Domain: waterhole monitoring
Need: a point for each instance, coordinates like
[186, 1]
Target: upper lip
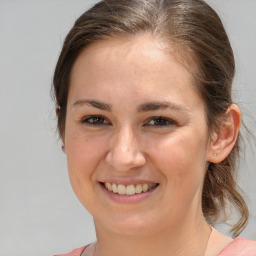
[127, 181]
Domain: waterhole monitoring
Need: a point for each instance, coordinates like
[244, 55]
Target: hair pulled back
[198, 37]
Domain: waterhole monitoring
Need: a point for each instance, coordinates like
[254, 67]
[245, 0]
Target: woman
[151, 134]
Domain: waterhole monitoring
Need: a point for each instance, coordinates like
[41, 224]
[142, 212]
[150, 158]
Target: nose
[124, 153]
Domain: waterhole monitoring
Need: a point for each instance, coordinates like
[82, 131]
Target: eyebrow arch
[160, 105]
[149, 106]
[93, 103]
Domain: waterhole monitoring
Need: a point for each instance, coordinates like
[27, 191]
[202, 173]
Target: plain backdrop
[39, 214]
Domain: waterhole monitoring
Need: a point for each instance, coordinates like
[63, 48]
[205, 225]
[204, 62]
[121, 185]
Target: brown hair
[198, 35]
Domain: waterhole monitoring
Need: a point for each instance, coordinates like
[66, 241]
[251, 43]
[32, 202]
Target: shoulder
[240, 247]
[75, 252]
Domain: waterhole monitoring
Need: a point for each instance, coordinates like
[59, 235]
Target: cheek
[84, 154]
[181, 160]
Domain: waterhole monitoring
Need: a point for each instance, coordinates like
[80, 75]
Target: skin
[123, 75]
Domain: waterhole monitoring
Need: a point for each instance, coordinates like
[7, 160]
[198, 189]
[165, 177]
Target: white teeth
[114, 188]
[130, 189]
[138, 189]
[121, 189]
[145, 187]
[108, 186]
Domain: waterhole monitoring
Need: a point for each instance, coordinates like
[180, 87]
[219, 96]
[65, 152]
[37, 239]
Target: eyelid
[85, 120]
[169, 121]
[166, 122]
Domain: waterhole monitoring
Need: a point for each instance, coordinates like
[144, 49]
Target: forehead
[142, 62]
[132, 50]
[125, 48]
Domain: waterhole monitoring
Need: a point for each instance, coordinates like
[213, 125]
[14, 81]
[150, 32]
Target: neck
[190, 238]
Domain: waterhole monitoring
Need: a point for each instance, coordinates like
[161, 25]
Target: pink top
[76, 252]
[239, 247]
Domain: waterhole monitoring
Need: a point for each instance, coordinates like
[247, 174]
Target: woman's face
[134, 118]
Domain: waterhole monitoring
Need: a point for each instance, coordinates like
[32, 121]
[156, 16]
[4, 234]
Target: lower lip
[132, 199]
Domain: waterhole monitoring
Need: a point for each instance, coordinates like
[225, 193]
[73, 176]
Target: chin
[134, 226]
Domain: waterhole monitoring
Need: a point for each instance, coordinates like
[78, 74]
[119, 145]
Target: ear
[63, 148]
[57, 110]
[223, 141]
[62, 137]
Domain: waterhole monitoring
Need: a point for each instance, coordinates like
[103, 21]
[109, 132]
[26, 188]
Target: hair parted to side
[195, 32]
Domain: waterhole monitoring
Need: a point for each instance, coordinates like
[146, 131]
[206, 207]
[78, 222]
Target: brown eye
[95, 120]
[160, 122]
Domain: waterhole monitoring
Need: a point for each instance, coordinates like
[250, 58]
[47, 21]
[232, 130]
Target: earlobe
[57, 111]
[223, 141]
[63, 148]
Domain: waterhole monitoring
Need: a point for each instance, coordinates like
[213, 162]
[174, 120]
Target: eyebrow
[145, 107]
[150, 106]
[93, 103]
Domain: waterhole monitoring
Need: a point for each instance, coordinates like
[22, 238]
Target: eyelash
[95, 120]
[160, 120]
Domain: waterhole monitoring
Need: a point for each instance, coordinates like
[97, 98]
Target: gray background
[39, 215]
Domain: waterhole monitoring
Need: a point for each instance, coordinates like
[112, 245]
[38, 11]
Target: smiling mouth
[129, 189]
